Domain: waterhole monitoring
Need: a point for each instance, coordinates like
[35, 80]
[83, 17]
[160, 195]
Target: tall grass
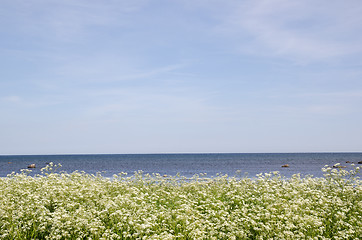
[81, 206]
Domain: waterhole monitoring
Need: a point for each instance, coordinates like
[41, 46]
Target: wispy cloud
[339, 94]
[11, 99]
[111, 68]
[33, 101]
[302, 31]
[313, 110]
[153, 103]
[66, 20]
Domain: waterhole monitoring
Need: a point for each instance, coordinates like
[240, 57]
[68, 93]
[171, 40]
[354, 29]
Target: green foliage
[81, 206]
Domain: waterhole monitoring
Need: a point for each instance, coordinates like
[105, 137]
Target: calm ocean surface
[185, 164]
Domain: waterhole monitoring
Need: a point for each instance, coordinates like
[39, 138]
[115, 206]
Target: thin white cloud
[339, 94]
[303, 31]
[153, 72]
[33, 101]
[107, 68]
[327, 109]
[12, 99]
[313, 110]
[68, 20]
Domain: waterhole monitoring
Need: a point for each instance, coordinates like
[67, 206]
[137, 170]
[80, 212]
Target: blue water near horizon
[185, 164]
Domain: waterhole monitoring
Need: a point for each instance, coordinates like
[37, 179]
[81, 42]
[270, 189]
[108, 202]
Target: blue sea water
[185, 164]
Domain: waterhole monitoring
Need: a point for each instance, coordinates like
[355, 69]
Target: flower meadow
[142, 206]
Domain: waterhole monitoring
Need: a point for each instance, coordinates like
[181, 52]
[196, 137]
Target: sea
[209, 164]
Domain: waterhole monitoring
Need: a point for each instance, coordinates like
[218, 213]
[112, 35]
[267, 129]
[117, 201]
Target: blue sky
[142, 76]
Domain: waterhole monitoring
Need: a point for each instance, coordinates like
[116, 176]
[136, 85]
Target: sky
[177, 76]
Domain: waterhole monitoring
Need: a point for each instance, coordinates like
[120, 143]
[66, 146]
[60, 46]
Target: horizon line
[160, 153]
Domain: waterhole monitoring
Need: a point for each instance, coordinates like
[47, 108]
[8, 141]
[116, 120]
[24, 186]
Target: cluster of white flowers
[82, 206]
